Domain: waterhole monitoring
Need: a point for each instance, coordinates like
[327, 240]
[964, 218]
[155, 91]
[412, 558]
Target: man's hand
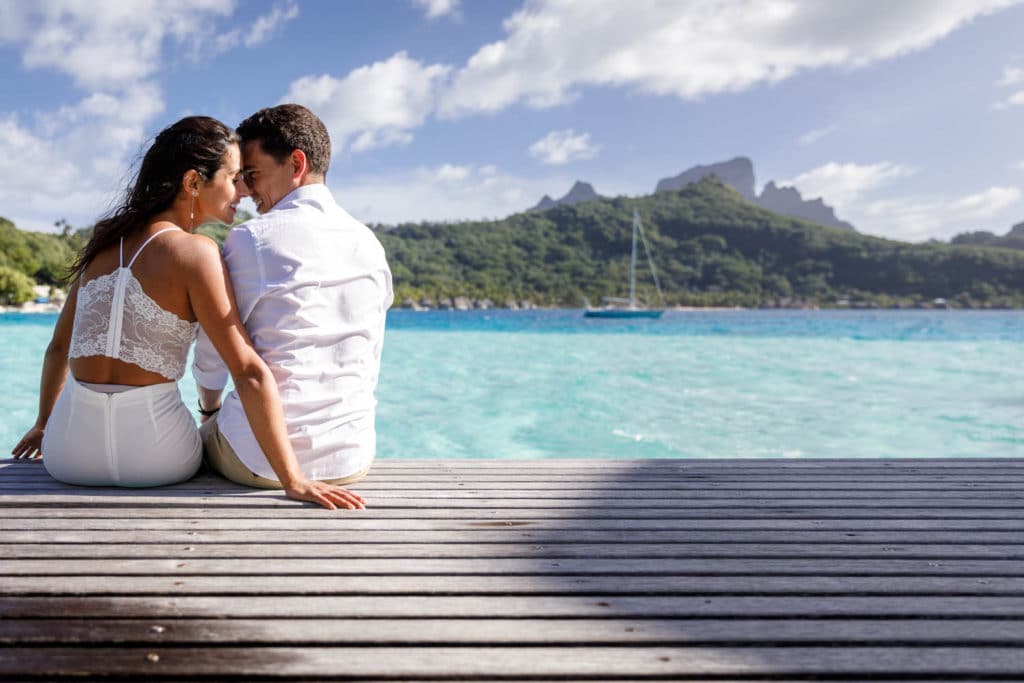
[31, 445]
[327, 495]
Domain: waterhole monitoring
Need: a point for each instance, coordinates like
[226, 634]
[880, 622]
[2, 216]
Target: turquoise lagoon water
[552, 384]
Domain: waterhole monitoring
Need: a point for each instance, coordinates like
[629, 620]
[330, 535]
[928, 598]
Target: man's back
[313, 288]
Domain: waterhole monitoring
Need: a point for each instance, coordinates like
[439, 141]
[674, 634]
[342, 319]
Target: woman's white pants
[141, 437]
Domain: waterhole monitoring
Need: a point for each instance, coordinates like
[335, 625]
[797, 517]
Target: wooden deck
[731, 570]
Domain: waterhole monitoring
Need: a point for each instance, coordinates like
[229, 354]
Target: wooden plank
[581, 492]
[965, 495]
[667, 482]
[519, 606]
[170, 498]
[880, 515]
[537, 550]
[604, 483]
[184, 562]
[503, 584]
[384, 529]
[668, 465]
[378, 631]
[118, 531]
[517, 661]
[498, 488]
[378, 477]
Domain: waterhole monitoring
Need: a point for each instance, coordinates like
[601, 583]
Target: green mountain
[28, 258]
[710, 247]
[1014, 239]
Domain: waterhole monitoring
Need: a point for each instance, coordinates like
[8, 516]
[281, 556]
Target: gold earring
[192, 211]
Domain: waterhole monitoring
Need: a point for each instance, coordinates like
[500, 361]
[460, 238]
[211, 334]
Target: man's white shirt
[313, 288]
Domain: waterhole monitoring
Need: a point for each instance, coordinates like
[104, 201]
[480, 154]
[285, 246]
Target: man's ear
[300, 165]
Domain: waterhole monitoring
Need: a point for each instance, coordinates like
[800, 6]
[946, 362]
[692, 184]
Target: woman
[141, 287]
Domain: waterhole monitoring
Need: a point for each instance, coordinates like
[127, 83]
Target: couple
[294, 312]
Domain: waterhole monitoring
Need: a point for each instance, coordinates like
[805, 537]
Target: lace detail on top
[115, 317]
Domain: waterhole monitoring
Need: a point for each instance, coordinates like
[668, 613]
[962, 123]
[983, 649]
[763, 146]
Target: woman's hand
[31, 445]
[327, 495]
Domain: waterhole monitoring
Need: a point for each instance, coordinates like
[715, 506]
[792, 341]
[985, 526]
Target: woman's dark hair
[195, 142]
[285, 128]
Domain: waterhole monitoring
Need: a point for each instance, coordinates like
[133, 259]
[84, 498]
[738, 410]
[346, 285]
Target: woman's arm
[213, 302]
[55, 372]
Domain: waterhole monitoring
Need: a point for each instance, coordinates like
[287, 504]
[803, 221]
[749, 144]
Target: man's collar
[317, 191]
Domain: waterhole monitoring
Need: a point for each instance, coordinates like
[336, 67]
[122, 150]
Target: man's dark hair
[285, 128]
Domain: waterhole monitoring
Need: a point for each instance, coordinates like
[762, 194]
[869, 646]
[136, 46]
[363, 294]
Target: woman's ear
[191, 181]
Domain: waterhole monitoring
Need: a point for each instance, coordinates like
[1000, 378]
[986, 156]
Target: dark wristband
[207, 413]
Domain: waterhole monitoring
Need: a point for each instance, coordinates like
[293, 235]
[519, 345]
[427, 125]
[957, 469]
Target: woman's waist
[121, 393]
[102, 369]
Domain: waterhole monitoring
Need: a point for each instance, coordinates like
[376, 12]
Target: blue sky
[906, 116]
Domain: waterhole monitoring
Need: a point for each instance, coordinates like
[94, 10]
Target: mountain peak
[580, 192]
[788, 201]
[544, 204]
[737, 172]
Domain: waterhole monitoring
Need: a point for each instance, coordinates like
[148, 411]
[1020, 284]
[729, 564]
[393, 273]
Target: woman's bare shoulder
[190, 249]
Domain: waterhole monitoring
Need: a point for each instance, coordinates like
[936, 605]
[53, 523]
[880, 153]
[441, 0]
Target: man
[313, 287]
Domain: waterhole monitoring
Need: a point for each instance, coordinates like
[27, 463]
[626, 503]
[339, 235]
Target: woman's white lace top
[114, 317]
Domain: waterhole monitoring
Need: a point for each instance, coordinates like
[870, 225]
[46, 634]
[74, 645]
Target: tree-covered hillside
[709, 245]
[27, 258]
[1014, 239]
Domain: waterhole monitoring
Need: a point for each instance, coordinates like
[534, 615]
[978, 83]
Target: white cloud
[41, 181]
[437, 8]
[71, 161]
[563, 146]
[265, 26]
[445, 193]
[853, 189]
[812, 136]
[1011, 76]
[260, 31]
[1014, 100]
[452, 172]
[1019, 166]
[841, 185]
[105, 44]
[373, 106]
[19, 145]
[918, 219]
[690, 48]
[102, 130]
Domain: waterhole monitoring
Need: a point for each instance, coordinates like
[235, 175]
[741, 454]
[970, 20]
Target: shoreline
[40, 309]
[32, 308]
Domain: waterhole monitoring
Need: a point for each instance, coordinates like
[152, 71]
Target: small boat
[627, 308]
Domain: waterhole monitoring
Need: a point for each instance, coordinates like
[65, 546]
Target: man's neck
[313, 180]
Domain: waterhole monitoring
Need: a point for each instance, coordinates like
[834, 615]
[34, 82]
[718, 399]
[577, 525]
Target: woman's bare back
[162, 270]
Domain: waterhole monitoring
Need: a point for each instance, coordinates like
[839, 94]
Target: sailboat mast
[632, 267]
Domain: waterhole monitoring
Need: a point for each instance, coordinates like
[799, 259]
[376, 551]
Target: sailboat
[616, 307]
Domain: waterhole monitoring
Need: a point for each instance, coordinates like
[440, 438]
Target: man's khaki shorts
[219, 454]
